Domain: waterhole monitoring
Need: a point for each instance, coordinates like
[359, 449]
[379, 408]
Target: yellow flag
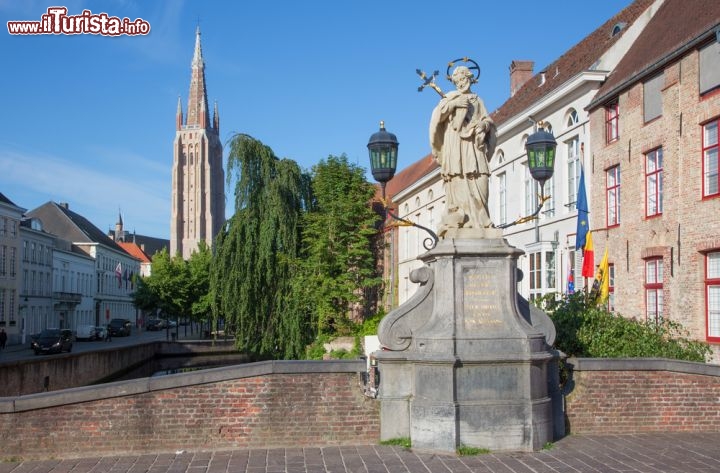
[601, 285]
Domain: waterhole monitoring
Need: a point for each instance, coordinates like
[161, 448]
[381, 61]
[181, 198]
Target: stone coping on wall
[643, 364]
[143, 385]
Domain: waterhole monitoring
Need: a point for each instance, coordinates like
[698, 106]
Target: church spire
[216, 118]
[179, 116]
[197, 98]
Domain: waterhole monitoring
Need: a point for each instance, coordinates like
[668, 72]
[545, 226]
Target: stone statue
[463, 138]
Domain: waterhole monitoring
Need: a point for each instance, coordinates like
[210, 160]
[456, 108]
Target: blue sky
[90, 119]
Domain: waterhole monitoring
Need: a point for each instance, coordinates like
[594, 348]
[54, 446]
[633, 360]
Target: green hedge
[589, 331]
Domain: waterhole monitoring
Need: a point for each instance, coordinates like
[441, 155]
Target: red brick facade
[642, 397]
[689, 224]
[283, 410]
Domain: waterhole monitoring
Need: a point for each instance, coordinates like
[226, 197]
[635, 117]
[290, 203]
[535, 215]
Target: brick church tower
[198, 179]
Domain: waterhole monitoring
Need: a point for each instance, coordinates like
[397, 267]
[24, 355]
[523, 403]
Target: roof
[147, 244]
[134, 250]
[677, 25]
[409, 176]
[6, 201]
[63, 222]
[577, 59]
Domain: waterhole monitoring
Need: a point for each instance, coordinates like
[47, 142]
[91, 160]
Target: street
[23, 352]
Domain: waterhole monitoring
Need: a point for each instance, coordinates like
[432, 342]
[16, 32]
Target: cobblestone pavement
[650, 453]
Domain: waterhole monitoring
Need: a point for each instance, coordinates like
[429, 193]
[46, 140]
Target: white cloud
[143, 195]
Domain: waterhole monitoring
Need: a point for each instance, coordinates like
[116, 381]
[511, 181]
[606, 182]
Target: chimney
[520, 72]
[64, 205]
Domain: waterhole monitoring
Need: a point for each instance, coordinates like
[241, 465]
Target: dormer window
[617, 29]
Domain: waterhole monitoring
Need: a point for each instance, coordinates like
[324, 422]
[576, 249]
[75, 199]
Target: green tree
[338, 266]
[169, 281]
[199, 295]
[251, 275]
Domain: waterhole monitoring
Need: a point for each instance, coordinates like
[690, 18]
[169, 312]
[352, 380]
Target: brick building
[655, 199]
[198, 179]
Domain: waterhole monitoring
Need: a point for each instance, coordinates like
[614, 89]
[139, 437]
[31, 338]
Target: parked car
[120, 327]
[155, 324]
[86, 332]
[101, 333]
[53, 340]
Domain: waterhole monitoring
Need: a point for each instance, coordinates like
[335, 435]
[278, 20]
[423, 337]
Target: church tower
[198, 179]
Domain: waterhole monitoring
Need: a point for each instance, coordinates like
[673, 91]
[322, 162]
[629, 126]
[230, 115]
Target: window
[712, 295]
[502, 198]
[612, 114]
[542, 268]
[530, 185]
[612, 192]
[573, 118]
[13, 257]
[652, 97]
[710, 67]
[3, 260]
[550, 270]
[711, 183]
[573, 163]
[654, 183]
[535, 275]
[653, 289]
[549, 192]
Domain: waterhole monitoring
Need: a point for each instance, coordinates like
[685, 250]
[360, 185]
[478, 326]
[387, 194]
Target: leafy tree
[586, 330]
[251, 274]
[199, 295]
[338, 265]
[168, 286]
[144, 297]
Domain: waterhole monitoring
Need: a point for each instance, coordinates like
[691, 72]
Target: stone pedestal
[469, 361]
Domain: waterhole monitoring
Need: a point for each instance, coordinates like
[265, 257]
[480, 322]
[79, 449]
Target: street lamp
[383, 149]
[540, 148]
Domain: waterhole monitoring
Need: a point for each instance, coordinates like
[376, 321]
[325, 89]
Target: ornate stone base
[470, 361]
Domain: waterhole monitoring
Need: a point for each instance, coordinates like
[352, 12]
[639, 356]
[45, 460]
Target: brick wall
[255, 405]
[637, 396]
[688, 224]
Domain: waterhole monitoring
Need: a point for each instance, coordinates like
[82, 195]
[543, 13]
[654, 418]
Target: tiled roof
[134, 250]
[408, 176]
[580, 57]
[677, 24]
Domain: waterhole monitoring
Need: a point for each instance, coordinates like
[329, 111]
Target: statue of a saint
[463, 138]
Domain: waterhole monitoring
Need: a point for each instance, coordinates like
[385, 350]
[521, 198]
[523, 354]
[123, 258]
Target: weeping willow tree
[252, 272]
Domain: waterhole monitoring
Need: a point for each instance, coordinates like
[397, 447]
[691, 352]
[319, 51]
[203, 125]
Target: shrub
[587, 330]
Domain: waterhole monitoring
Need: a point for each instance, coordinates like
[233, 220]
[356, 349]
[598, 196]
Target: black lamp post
[383, 149]
[540, 148]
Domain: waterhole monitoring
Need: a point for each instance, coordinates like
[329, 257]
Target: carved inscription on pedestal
[481, 306]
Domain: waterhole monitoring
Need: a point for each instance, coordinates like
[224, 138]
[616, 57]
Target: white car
[86, 332]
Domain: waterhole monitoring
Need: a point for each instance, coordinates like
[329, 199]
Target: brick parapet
[630, 396]
[268, 404]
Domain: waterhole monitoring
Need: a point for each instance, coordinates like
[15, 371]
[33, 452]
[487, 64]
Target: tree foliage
[586, 330]
[168, 286]
[252, 270]
[338, 266]
[198, 273]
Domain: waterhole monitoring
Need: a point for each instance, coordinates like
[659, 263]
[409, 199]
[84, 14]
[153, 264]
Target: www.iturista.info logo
[57, 21]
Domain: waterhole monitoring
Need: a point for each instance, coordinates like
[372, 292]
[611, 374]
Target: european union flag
[583, 220]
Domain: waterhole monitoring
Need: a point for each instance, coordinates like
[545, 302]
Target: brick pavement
[647, 453]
